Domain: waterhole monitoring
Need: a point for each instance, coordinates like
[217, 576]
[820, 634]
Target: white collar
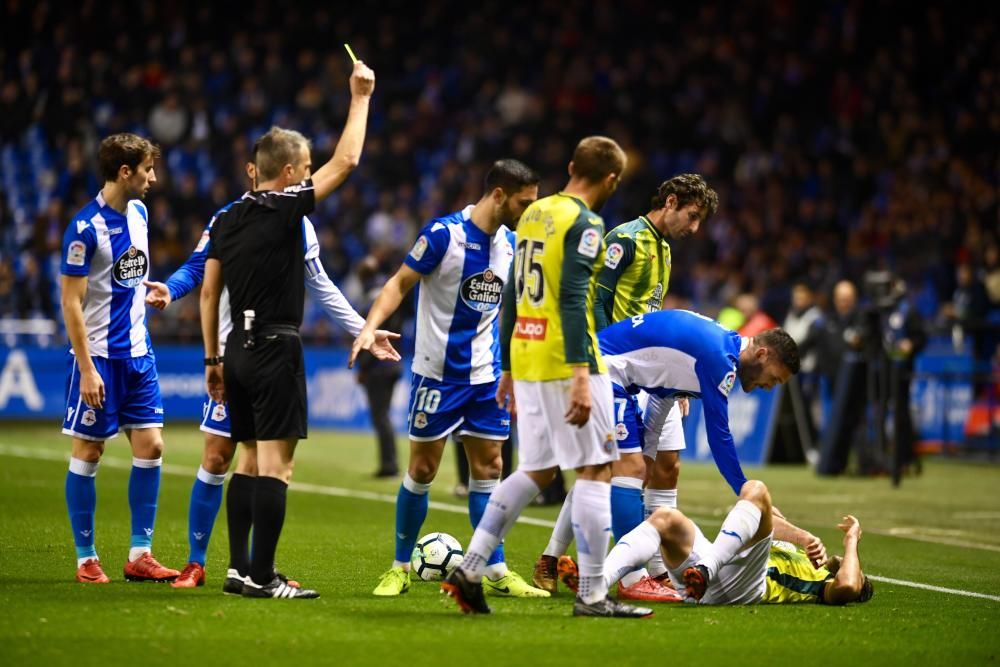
[467, 212]
[744, 343]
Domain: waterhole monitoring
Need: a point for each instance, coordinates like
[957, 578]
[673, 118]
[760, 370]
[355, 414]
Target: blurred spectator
[379, 378]
[969, 309]
[168, 121]
[801, 316]
[755, 320]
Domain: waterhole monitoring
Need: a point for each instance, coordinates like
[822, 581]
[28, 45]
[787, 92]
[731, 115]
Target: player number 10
[428, 400]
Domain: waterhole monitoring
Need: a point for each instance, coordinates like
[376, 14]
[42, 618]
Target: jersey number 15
[528, 271]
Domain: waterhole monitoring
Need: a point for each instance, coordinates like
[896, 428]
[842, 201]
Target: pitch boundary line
[339, 492]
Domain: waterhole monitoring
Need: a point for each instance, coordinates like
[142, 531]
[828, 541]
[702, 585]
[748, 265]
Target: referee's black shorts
[266, 386]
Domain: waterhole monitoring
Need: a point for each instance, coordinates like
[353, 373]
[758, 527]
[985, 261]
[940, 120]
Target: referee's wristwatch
[213, 361]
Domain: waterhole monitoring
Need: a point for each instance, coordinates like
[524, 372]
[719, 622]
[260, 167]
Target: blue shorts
[438, 408]
[131, 399]
[215, 418]
[628, 422]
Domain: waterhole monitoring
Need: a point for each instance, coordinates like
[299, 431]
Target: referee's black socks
[239, 517]
[268, 519]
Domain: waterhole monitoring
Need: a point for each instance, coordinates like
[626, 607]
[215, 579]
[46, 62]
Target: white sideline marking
[936, 589]
[174, 469]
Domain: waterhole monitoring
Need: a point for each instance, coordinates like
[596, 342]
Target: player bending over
[673, 353]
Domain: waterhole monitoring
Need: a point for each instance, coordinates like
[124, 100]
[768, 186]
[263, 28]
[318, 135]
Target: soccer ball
[435, 556]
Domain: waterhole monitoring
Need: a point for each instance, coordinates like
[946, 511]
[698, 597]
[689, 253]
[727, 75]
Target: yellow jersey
[791, 577]
[636, 272]
[560, 248]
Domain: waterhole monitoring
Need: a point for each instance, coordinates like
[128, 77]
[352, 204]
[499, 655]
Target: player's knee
[489, 467]
[756, 492]
[218, 455]
[423, 469]
[667, 470]
[665, 520]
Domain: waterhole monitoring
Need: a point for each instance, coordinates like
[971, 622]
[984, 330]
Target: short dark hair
[510, 176]
[596, 157]
[867, 590]
[689, 189]
[275, 149]
[782, 345]
[123, 149]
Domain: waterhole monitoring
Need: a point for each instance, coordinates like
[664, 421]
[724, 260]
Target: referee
[256, 251]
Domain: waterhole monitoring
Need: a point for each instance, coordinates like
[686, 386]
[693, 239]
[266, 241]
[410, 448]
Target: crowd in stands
[840, 136]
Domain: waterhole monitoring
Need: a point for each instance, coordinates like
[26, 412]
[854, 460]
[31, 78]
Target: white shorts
[545, 440]
[661, 418]
[742, 580]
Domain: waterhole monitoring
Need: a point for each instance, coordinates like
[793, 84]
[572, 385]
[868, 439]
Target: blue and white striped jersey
[190, 275]
[679, 353]
[112, 251]
[458, 299]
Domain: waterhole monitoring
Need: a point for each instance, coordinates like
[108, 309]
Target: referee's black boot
[277, 588]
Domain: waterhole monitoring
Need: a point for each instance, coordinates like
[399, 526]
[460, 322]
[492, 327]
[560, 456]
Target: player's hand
[851, 527]
[92, 388]
[505, 394]
[684, 404]
[362, 80]
[382, 348]
[214, 384]
[364, 341]
[815, 550]
[157, 294]
[579, 397]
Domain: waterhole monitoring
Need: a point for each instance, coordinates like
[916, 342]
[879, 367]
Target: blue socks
[479, 496]
[81, 501]
[206, 498]
[411, 510]
[143, 491]
[627, 510]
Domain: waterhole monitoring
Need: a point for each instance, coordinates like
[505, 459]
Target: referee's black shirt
[259, 240]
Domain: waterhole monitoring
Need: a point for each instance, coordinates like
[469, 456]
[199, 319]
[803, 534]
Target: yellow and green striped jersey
[560, 246]
[791, 577]
[636, 272]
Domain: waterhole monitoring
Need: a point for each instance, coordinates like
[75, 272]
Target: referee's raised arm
[345, 158]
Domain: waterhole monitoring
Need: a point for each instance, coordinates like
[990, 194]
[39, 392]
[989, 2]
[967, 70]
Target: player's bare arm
[74, 288]
[347, 155]
[211, 292]
[157, 294]
[388, 300]
[786, 531]
[847, 584]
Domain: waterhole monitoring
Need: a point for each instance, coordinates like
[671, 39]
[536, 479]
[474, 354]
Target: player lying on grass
[673, 353]
[757, 557]
[206, 494]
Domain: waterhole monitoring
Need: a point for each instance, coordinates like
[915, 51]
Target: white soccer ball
[435, 556]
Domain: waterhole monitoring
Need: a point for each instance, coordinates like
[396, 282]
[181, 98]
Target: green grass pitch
[941, 529]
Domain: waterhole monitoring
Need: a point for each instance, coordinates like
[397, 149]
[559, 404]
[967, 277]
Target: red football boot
[192, 576]
[91, 573]
[147, 568]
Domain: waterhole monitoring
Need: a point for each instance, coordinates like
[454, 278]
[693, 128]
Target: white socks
[210, 478]
[653, 499]
[135, 553]
[562, 533]
[739, 526]
[414, 486]
[508, 499]
[632, 550]
[591, 516]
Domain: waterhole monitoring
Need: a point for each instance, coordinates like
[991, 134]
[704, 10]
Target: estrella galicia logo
[482, 291]
[130, 267]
